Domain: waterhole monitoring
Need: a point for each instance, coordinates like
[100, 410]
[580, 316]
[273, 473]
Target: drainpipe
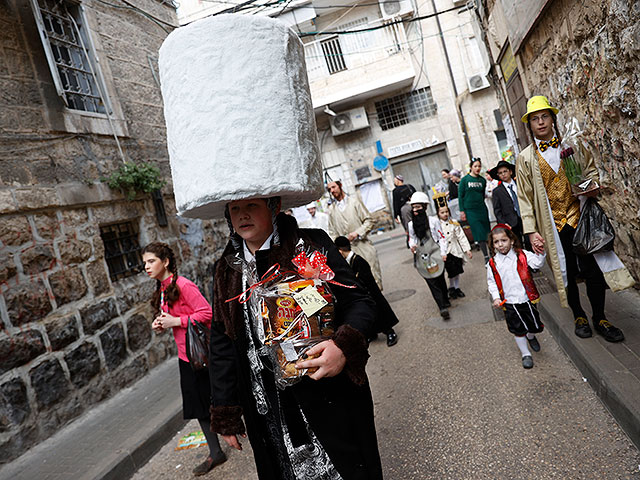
[463, 124]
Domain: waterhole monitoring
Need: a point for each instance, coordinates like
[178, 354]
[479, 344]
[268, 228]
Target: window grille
[121, 250]
[68, 50]
[408, 107]
[333, 55]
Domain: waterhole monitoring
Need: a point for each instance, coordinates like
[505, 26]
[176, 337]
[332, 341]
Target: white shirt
[436, 234]
[507, 266]
[319, 220]
[349, 257]
[511, 185]
[342, 204]
[250, 257]
[551, 156]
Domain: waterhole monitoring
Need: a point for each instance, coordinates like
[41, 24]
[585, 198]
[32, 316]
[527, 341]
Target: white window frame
[81, 121]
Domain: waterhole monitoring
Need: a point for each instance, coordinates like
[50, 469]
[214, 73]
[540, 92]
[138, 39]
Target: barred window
[70, 54]
[121, 249]
[333, 55]
[405, 108]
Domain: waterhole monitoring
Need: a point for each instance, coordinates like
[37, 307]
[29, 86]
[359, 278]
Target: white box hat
[240, 121]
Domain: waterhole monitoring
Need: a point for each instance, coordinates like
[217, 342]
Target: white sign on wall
[405, 148]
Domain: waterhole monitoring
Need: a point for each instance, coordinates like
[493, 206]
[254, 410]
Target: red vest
[525, 276]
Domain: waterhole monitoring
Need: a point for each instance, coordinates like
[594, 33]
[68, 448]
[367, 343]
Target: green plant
[133, 178]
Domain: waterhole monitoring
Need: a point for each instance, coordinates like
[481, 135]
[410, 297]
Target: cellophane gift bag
[292, 311]
[573, 168]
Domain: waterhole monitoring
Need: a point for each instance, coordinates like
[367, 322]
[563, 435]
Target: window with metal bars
[70, 54]
[333, 55]
[408, 107]
[121, 250]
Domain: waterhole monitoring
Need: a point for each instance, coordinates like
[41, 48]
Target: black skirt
[196, 392]
[522, 318]
[453, 266]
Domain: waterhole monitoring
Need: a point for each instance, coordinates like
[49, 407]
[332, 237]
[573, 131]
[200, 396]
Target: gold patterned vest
[564, 206]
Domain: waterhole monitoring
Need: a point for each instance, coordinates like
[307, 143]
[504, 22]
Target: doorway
[423, 171]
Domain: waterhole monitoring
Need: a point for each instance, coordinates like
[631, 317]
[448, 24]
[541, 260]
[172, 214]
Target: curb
[617, 391]
[130, 462]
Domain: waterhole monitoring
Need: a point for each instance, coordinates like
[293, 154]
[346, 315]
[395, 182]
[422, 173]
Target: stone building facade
[75, 330]
[585, 57]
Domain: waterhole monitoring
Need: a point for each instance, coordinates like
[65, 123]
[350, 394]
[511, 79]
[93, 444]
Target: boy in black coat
[386, 317]
[505, 199]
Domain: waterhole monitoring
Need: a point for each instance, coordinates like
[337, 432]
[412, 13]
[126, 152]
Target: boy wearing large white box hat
[242, 143]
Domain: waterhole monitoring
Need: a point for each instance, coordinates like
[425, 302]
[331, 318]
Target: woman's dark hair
[509, 233]
[172, 292]
[555, 129]
[474, 160]
[445, 170]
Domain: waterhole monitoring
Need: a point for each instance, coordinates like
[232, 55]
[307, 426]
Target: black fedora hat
[502, 163]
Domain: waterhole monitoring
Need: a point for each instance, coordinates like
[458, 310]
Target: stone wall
[71, 337]
[586, 57]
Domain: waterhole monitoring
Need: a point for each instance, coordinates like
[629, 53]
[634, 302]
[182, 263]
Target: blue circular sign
[380, 163]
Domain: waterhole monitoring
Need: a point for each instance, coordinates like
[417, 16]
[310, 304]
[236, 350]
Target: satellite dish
[391, 7]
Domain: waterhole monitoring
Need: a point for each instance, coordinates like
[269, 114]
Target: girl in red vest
[512, 287]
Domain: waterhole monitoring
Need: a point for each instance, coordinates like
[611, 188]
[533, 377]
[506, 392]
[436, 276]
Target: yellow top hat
[535, 104]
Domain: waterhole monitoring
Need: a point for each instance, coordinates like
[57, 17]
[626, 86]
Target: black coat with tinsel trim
[339, 410]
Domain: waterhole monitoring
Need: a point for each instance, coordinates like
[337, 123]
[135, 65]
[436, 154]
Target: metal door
[423, 172]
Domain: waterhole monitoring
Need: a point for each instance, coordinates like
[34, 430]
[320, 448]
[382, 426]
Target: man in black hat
[505, 199]
[401, 207]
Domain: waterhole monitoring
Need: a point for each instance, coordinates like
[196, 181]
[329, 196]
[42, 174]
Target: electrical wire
[394, 22]
[129, 6]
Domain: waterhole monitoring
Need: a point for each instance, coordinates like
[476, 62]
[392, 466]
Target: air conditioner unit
[349, 121]
[395, 8]
[477, 82]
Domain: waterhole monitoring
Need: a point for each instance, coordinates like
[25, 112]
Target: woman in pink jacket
[175, 301]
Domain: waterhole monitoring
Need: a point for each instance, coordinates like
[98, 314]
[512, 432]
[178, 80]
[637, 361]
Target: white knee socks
[522, 345]
[454, 282]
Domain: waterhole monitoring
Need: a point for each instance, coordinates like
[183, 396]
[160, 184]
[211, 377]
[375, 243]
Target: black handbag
[197, 344]
[594, 232]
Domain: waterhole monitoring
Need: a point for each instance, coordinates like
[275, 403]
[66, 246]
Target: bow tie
[553, 143]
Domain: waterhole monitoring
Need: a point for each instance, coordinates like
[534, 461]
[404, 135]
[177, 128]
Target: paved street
[453, 401]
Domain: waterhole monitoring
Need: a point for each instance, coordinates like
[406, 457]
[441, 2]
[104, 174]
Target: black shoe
[527, 361]
[460, 293]
[392, 338]
[535, 345]
[608, 331]
[452, 293]
[444, 313]
[583, 330]
[372, 338]
[209, 464]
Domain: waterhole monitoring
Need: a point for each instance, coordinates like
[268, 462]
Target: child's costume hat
[240, 121]
[537, 103]
[440, 200]
[502, 163]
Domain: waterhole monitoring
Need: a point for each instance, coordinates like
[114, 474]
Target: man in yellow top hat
[550, 214]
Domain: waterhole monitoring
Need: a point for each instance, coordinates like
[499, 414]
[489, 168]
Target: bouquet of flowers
[572, 167]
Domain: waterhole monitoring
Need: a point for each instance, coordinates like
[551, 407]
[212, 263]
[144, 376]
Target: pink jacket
[191, 304]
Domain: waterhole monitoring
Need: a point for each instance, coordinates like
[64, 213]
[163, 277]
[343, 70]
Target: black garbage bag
[197, 343]
[594, 232]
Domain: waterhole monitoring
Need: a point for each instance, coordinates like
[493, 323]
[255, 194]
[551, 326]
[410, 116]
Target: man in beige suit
[349, 217]
[550, 214]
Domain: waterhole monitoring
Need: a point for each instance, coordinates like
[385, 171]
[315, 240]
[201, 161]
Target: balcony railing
[329, 56]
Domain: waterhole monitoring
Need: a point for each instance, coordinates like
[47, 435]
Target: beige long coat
[356, 218]
[534, 209]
